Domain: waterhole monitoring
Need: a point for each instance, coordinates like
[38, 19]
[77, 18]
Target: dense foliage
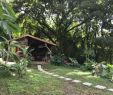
[82, 30]
[8, 27]
[75, 25]
[104, 70]
[63, 60]
[7, 21]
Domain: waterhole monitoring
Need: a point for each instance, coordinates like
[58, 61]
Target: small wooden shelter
[39, 49]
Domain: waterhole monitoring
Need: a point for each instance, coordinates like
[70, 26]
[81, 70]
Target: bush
[19, 68]
[57, 59]
[72, 62]
[89, 64]
[62, 60]
[99, 69]
[103, 70]
[110, 71]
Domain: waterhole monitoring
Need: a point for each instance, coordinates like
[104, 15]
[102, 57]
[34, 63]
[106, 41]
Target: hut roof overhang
[35, 39]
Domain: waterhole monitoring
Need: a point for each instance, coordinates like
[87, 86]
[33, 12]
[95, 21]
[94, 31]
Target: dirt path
[69, 89]
[72, 89]
[4, 90]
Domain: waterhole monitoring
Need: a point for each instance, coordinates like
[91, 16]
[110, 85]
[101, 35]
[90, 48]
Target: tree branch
[46, 34]
[79, 24]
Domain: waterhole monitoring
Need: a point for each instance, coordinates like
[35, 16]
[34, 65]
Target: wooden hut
[39, 49]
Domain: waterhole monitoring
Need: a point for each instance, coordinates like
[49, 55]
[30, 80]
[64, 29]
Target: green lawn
[37, 83]
[76, 73]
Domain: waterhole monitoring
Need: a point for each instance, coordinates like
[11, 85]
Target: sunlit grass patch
[38, 83]
[79, 74]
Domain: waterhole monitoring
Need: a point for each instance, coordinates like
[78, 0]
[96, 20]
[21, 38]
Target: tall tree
[71, 23]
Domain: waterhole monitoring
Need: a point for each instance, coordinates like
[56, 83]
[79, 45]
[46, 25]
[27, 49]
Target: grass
[77, 73]
[37, 83]
[34, 83]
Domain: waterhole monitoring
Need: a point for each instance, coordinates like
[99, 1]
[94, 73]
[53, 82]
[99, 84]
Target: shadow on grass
[4, 73]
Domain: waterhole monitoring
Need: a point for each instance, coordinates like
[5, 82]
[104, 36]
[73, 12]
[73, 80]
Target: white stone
[61, 77]
[87, 83]
[47, 73]
[40, 68]
[76, 81]
[110, 90]
[67, 78]
[55, 75]
[50, 73]
[100, 87]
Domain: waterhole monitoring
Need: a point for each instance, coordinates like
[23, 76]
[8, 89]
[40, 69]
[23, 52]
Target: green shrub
[19, 68]
[57, 59]
[100, 70]
[110, 71]
[103, 70]
[89, 64]
[63, 60]
[73, 62]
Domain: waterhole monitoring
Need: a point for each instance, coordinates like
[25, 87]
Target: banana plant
[7, 27]
[6, 51]
[20, 66]
[7, 20]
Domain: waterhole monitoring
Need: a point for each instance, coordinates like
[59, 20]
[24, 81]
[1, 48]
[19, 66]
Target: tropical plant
[7, 27]
[73, 62]
[103, 69]
[7, 20]
[7, 44]
[19, 65]
[89, 64]
[19, 68]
